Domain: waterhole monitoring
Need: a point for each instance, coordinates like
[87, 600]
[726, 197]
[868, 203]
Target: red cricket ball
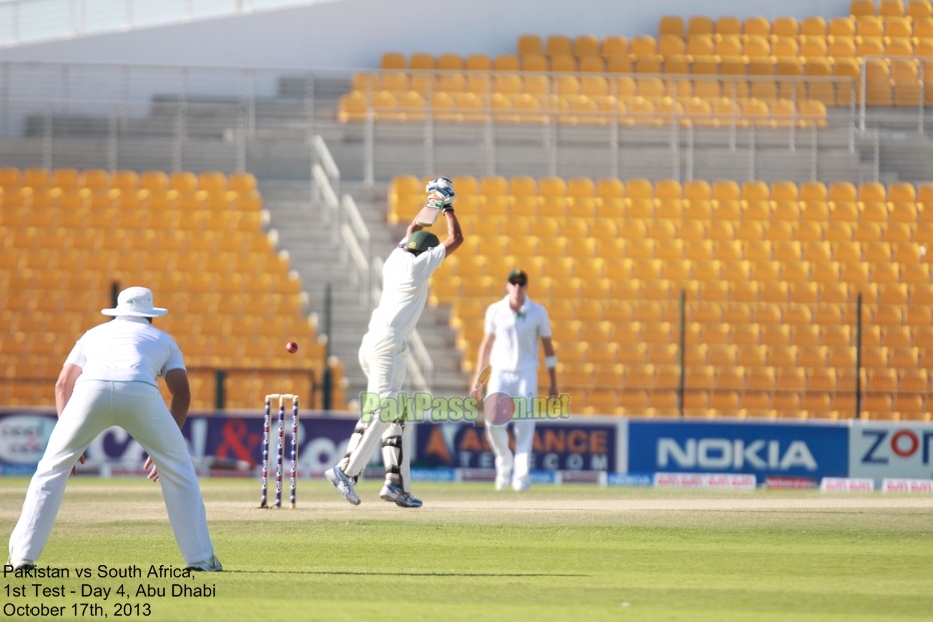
[291, 346]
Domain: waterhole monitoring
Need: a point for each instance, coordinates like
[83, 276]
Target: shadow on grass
[402, 574]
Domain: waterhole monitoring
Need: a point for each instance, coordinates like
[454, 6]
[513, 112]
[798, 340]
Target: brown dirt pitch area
[91, 500]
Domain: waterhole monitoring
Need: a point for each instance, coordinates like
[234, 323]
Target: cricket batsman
[384, 351]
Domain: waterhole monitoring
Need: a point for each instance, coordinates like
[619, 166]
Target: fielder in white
[384, 353]
[510, 345]
[109, 379]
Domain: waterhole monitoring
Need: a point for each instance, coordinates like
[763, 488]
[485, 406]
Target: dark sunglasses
[519, 283]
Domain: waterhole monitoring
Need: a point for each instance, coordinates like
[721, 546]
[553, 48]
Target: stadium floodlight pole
[327, 376]
[858, 354]
[683, 341]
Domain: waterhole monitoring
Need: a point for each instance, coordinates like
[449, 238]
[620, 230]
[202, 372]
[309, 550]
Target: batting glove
[442, 188]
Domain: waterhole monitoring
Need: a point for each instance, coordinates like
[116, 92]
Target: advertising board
[574, 445]
[228, 439]
[757, 448]
[880, 449]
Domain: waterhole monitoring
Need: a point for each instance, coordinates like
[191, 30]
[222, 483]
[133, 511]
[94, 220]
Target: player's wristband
[550, 362]
[448, 208]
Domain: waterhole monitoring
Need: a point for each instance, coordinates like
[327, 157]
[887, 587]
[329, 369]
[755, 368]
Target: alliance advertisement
[590, 444]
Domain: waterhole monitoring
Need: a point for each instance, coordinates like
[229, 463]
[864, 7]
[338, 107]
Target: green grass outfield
[569, 553]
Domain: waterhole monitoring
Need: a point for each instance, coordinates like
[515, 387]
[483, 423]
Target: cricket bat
[477, 392]
[482, 379]
[431, 210]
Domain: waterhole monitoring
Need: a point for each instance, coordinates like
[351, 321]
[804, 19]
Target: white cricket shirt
[516, 344]
[405, 289]
[126, 349]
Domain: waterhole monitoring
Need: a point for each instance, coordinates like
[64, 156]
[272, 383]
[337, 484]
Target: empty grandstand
[744, 164]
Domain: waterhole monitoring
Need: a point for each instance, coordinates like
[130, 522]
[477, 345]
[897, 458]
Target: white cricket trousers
[515, 384]
[138, 408]
[383, 357]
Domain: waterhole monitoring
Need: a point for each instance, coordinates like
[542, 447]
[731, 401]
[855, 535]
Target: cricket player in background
[510, 345]
[384, 351]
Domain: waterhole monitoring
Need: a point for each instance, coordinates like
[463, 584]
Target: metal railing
[356, 253]
[552, 125]
[181, 112]
[355, 236]
[688, 362]
[31, 21]
[344, 219]
[213, 382]
[903, 93]
[230, 119]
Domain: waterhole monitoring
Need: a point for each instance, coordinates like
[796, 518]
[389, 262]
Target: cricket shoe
[20, 563]
[502, 484]
[343, 485]
[394, 493]
[208, 565]
[520, 485]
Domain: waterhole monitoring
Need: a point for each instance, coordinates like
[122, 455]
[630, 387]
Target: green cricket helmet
[421, 241]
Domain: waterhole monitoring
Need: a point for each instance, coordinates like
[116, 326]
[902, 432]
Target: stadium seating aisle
[196, 240]
[771, 275]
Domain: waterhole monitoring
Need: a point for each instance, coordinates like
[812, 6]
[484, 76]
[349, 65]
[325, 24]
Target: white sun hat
[137, 302]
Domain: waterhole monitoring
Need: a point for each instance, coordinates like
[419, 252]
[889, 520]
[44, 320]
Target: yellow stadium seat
[758, 47]
[869, 27]
[698, 209]
[918, 9]
[477, 63]
[728, 26]
[534, 62]
[700, 25]
[671, 25]
[530, 44]
[841, 27]
[669, 209]
[392, 60]
[36, 178]
[66, 178]
[184, 182]
[815, 47]
[914, 381]
[643, 45]
[785, 27]
[891, 8]
[859, 8]
[450, 62]
[11, 178]
[749, 230]
[671, 45]
[365, 83]
[757, 25]
[556, 45]
[506, 62]
[706, 271]
[586, 45]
